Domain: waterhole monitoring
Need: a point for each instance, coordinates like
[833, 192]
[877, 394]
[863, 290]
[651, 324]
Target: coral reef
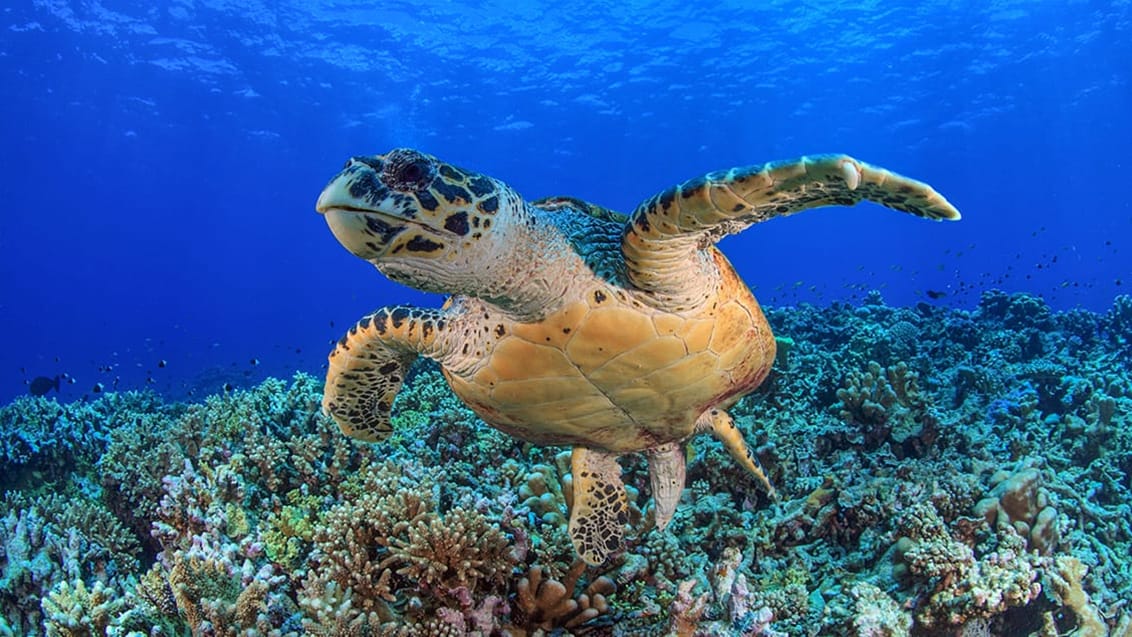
[938, 472]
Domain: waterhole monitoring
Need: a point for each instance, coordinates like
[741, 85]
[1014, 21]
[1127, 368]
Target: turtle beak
[360, 233]
[337, 195]
[365, 232]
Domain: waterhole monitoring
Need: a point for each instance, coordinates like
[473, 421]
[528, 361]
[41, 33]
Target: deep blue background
[159, 164]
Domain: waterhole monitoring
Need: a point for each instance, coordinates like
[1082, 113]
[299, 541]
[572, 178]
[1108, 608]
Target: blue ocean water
[161, 161]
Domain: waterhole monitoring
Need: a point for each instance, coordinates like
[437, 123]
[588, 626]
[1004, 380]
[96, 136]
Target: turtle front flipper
[369, 364]
[600, 510]
[665, 235]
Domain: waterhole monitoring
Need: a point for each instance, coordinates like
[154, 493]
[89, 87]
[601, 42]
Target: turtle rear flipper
[666, 234]
[667, 471]
[368, 366]
[600, 510]
[722, 426]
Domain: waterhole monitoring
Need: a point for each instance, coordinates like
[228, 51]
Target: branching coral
[458, 549]
[218, 597]
[278, 524]
[76, 611]
[50, 540]
[544, 604]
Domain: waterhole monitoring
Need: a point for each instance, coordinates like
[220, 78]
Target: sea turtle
[570, 324]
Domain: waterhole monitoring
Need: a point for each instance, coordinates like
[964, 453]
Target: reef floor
[938, 472]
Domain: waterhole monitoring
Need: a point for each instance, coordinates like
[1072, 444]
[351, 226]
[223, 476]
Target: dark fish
[255, 361]
[935, 294]
[97, 388]
[162, 363]
[40, 385]
[228, 387]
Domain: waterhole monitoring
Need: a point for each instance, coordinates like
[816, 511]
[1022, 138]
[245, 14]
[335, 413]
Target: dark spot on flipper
[380, 320]
[399, 315]
[599, 296]
[388, 368]
[499, 331]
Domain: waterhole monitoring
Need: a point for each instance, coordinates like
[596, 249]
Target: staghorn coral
[50, 540]
[216, 596]
[75, 611]
[46, 443]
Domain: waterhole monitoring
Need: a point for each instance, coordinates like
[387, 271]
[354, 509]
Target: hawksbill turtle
[570, 324]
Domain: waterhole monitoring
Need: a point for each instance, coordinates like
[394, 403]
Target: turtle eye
[407, 170]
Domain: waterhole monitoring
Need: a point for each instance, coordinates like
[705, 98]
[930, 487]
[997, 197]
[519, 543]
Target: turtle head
[421, 221]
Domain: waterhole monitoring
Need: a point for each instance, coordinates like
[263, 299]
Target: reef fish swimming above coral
[570, 324]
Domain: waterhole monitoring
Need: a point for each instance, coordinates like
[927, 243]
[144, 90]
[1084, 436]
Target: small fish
[162, 363]
[254, 362]
[935, 294]
[228, 387]
[40, 385]
[97, 388]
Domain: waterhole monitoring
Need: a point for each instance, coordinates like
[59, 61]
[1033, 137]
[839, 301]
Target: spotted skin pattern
[570, 324]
